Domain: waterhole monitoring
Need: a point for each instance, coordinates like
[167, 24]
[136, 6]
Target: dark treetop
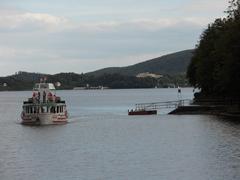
[215, 66]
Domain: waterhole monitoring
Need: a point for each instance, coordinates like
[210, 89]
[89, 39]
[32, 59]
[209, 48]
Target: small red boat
[142, 112]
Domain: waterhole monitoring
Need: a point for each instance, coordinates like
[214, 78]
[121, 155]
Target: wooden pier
[150, 107]
[186, 106]
[161, 105]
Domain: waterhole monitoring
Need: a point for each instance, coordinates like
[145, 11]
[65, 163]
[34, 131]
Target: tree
[215, 66]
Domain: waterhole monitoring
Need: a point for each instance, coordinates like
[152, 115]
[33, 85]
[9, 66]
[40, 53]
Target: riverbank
[209, 107]
[198, 109]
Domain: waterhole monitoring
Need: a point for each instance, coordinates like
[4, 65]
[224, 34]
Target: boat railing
[61, 103]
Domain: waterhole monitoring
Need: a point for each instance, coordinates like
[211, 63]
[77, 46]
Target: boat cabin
[40, 109]
[44, 92]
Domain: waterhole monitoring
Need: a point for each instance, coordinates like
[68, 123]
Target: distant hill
[171, 64]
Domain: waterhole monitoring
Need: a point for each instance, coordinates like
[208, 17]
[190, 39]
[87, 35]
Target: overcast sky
[52, 36]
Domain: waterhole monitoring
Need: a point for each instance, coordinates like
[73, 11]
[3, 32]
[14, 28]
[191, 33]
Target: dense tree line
[114, 81]
[215, 66]
[25, 81]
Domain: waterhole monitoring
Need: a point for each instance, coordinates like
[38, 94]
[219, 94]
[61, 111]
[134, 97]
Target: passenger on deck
[50, 97]
[34, 97]
[44, 96]
[179, 90]
[38, 97]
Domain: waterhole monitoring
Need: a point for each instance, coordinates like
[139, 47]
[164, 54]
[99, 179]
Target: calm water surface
[101, 142]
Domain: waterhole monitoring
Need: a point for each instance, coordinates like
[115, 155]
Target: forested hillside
[173, 68]
[25, 81]
[215, 66]
[171, 64]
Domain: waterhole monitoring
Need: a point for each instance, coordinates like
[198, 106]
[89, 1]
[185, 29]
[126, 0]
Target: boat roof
[39, 86]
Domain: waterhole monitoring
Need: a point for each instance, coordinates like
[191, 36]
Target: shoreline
[232, 111]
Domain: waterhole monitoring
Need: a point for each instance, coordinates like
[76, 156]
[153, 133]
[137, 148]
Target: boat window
[36, 87]
[53, 110]
[51, 86]
[43, 86]
[31, 110]
[43, 109]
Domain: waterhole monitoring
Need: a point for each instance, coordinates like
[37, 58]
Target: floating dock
[151, 108]
[185, 107]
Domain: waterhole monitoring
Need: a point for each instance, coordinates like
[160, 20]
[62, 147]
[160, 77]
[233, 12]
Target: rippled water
[101, 142]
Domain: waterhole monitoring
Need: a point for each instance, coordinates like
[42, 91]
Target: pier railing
[167, 104]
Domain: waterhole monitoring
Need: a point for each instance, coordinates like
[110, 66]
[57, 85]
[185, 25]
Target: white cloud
[11, 53]
[12, 20]
[46, 42]
[144, 24]
[206, 6]
[162, 23]
[19, 20]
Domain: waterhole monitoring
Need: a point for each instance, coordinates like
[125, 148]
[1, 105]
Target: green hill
[171, 64]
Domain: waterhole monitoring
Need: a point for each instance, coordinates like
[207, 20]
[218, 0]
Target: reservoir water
[102, 143]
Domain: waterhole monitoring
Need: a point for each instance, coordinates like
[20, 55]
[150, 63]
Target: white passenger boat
[44, 107]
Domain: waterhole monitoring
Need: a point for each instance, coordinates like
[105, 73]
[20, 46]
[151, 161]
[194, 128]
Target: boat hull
[44, 119]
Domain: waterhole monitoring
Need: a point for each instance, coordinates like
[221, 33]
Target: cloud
[18, 20]
[144, 24]
[11, 53]
[49, 43]
[163, 23]
[206, 7]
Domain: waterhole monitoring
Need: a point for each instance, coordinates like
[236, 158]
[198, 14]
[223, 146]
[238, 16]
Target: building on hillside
[147, 74]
